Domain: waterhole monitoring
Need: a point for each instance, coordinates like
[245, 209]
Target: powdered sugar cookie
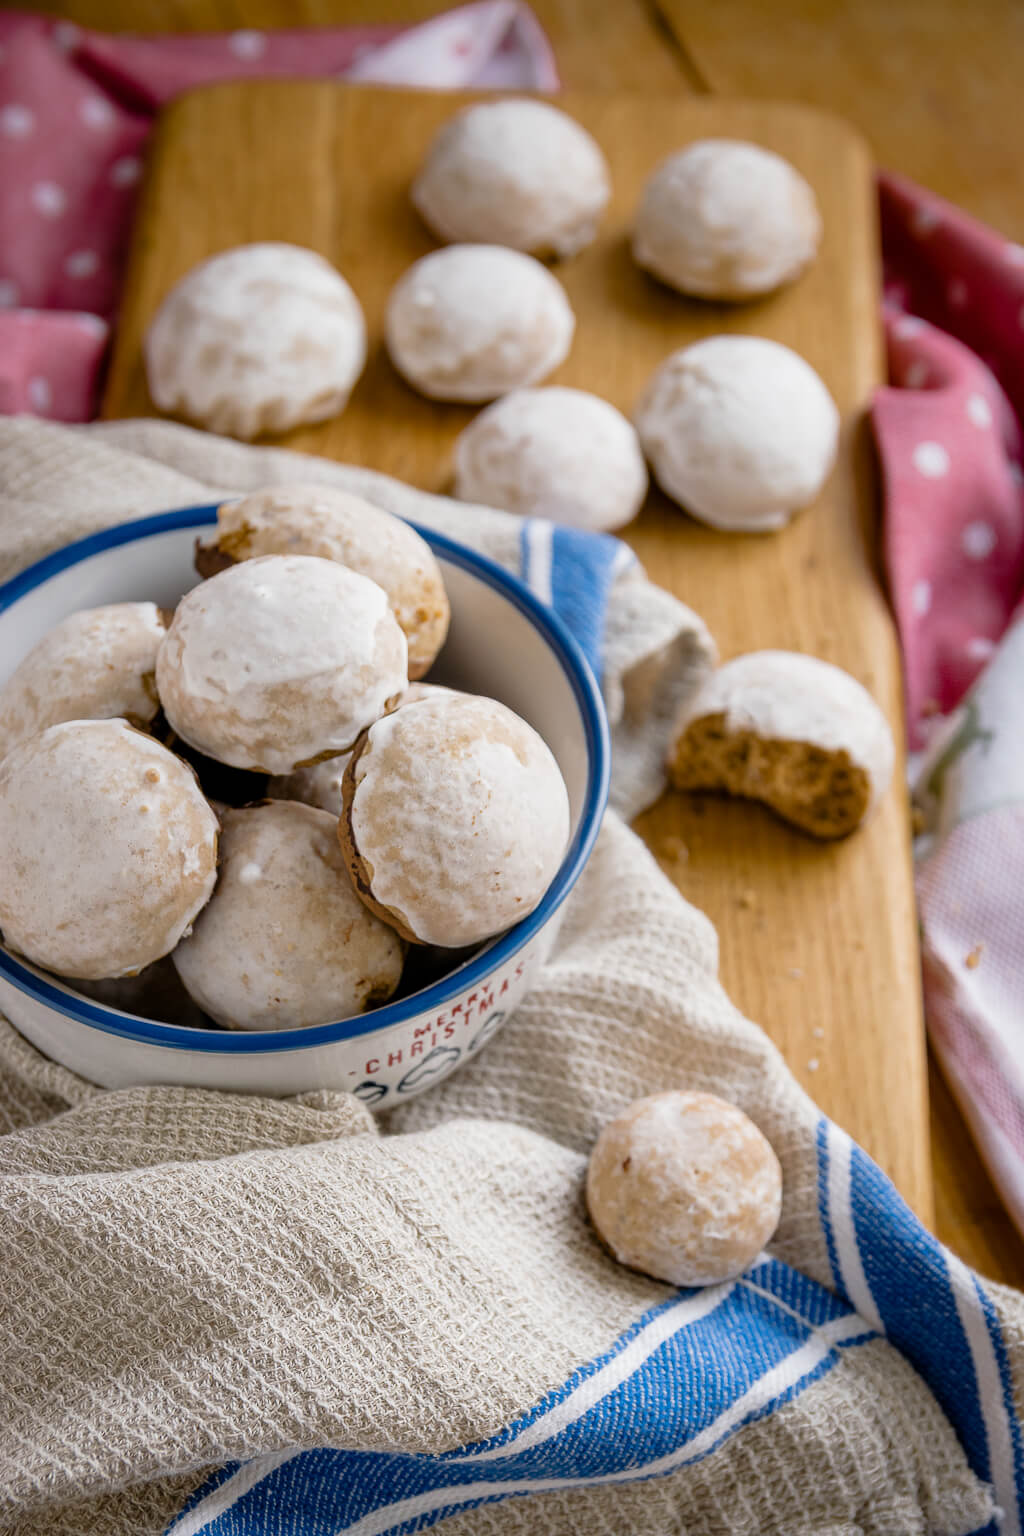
[684, 1187]
[516, 172]
[473, 321]
[108, 848]
[256, 339]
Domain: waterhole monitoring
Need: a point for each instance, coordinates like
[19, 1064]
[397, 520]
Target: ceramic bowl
[503, 643]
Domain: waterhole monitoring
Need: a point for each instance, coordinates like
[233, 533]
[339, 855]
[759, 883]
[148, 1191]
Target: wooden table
[933, 87]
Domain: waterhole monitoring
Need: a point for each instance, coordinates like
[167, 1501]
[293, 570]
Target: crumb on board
[818, 1032]
[973, 960]
[747, 899]
[674, 849]
[795, 972]
[813, 1064]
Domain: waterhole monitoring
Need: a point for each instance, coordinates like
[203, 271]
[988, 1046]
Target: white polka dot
[956, 293]
[126, 171]
[96, 112]
[9, 293]
[65, 36]
[40, 395]
[909, 325]
[1016, 473]
[931, 460]
[247, 45]
[979, 647]
[81, 264]
[1014, 254]
[92, 325]
[16, 121]
[916, 375]
[921, 597]
[49, 199]
[978, 540]
[924, 221]
[978, 410]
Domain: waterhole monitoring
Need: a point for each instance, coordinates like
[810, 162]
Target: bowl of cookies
[291, 797]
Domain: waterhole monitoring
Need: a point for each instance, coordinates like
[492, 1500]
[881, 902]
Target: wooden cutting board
[818, 943]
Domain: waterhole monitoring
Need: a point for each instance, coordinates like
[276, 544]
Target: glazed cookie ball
[726, 220]
[280, 661]
[556, 453]
[685, 1188]
[107, 847]
[95, 665]
[740, 431]
[792, 731]
[257, 339]
[335, 525]
[515, 172]
[284, 941]
[455, 819]
[474, 321]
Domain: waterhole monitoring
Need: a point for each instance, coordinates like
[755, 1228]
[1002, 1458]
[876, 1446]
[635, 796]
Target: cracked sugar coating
[684, 1187]
[108, 848]
[473, 321]
[98, 664]
[456, 819]
[723, 219]
[556, 453]
[257, 339]
[792, 731]
[740, 431]
[518, 173]
[280, 661]
[335, 525]
[284, 941]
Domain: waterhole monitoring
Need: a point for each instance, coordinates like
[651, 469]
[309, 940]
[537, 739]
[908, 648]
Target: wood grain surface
[817, 942]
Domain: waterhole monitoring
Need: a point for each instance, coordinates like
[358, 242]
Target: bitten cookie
[455, 819]
[280, 661]
[516, 172]
[335, 525]
[257, 339]
[723, 219]
[473, 321]
[284, 942]
[98, 664]
[740, 431]
[685, 1188]
[556, 453]
[108, 849]
[792, 731]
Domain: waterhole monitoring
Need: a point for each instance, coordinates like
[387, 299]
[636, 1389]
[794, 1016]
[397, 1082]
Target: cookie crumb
[813, 1064]
[674, 849]
[818, 1033]
[795, 972]
[973, 960]
[747, 899]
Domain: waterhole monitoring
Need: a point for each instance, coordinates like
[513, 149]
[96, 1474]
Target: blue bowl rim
[433, 998]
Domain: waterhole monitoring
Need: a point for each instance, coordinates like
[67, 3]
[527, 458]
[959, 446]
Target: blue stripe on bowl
[432, 999]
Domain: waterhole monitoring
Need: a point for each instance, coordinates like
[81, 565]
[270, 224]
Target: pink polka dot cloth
[76, 108]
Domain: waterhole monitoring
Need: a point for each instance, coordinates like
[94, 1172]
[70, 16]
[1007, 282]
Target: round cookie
[795, 732]
[556, 453]
[98, 664]
[723, 219]
[740, 431]
[516, 172]
[284, 942]
[473, 321]
[280, 661]
[455, 819]
[108, 849]
[256, 339]
[685, 1188]
[335, 525]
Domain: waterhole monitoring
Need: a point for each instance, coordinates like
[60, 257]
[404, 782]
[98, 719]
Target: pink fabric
[76, 108]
